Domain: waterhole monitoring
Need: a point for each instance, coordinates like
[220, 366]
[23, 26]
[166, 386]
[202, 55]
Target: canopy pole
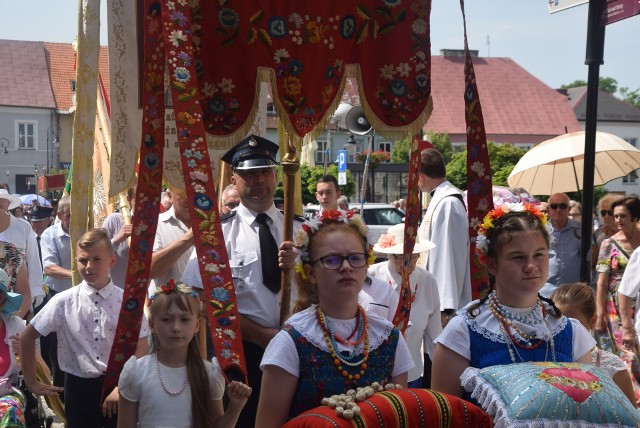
[594, 58]
[290, 166]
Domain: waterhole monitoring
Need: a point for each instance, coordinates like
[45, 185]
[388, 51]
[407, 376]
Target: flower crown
[172, 285]
[312, 225]
[482, 242]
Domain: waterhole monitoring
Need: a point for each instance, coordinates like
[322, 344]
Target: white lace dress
[139, 382]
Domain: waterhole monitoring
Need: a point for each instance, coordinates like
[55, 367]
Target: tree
[442, 142]
[631, 97]
[309, 176]
[400, 151]
[502, 157]
[607, 84]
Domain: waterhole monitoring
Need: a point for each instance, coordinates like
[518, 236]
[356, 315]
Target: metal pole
[594, 58]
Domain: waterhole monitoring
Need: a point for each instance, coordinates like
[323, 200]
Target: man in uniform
[256, 279]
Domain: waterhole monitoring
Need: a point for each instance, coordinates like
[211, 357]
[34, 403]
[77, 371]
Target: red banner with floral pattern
[479, 194]
[305, 48]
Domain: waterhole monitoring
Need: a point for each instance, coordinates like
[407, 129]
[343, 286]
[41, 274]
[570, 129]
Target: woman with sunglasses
[331, 345]
[612, 260]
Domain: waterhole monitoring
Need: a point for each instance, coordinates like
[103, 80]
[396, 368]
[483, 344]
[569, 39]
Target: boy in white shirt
[85, 319]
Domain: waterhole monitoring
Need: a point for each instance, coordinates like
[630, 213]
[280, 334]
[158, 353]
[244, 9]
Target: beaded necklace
[505, 319]
[338, 358]
[167, 390]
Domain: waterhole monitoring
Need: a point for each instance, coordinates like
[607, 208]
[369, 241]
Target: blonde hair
[93, 237]
[196, 370]
[578, 295]
[307, 291]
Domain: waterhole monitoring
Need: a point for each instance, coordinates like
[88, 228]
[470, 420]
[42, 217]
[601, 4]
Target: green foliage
[400, 150]
[503, 158]
[631, 97]
[442, 142]
[309, 177]
[607, 84]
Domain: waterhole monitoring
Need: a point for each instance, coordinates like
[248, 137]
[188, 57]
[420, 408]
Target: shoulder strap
[227, 216]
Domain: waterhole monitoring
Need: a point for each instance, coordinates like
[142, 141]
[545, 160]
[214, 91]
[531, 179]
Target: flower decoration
[386, 240]
[489, 222]
[375, 157]
[311, 226]
[171, 286]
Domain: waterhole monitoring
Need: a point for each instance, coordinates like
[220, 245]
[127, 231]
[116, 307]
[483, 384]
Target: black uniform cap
[251, 153]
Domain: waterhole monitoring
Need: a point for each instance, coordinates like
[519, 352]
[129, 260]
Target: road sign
[558, 5]
[617, 10]
[342, 178]
[342, 161]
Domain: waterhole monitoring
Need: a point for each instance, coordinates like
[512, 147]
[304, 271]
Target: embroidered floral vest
[319, 378]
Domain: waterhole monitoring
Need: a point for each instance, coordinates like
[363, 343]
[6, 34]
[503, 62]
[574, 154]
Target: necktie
[268, 255]
[39, 249]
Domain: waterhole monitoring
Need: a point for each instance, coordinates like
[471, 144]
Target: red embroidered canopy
[306, 49]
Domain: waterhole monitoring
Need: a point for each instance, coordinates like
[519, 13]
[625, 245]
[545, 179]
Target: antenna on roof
[489, 45]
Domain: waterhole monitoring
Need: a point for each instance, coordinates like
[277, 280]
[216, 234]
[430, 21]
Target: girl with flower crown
[514, 323]
[173, 386]
[331, 345]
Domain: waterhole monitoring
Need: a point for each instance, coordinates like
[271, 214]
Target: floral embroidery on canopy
[306, 49]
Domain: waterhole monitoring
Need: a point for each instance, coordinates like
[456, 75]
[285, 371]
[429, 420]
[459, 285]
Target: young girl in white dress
[513, 323]
[173, 386]
[578, 301]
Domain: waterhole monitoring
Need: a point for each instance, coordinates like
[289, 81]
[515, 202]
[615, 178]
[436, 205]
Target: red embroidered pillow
[400, 408]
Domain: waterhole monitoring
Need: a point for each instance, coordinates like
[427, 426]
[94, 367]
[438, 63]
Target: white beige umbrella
[557, 165]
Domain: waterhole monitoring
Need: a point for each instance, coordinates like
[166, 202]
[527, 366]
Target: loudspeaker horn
[357, 122]
[339, 116]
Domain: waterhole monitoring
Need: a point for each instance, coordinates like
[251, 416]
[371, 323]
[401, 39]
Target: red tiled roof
[61, 62]
[24, 77]
[517, 107]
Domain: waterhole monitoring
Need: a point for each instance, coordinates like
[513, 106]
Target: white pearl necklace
[172, 393]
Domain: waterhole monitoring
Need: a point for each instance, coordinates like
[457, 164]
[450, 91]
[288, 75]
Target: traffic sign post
[342, 160]
[342, 178]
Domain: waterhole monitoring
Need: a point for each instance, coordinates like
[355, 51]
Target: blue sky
[550, 46]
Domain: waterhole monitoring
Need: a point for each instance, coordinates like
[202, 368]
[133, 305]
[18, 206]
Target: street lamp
[4, 143]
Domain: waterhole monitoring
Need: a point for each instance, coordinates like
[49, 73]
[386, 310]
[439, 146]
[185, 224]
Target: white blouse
[139, 382]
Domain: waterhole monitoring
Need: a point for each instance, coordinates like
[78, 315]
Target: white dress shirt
[169, 230]
[425, 324]
[255, 300]
[85, 320]
[20, 234]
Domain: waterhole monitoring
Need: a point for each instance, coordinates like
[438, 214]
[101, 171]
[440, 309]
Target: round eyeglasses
[334, 261]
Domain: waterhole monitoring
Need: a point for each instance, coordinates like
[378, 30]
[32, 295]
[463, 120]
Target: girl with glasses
[330, 345]
[613, 258]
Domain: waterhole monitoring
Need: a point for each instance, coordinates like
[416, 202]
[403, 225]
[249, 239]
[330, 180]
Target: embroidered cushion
[400, 408]
[548, 394]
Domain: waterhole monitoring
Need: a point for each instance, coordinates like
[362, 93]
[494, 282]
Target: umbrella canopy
[557, 165]
[28, 200]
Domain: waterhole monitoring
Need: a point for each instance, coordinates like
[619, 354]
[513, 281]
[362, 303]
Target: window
[320, 153]
[26, 135]
[631, 178]
[385, 146]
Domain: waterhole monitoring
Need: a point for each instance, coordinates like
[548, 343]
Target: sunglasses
[562, 206]
[606, 212]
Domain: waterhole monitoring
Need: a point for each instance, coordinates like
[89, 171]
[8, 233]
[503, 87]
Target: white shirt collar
[104, 292]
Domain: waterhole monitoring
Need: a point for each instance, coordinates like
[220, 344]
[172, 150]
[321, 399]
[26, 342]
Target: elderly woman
[425, 323]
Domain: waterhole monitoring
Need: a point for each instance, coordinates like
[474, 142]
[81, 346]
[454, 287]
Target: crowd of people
[340, 334]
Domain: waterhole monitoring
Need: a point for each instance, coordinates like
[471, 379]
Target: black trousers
[252, 355]
[83, 405]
